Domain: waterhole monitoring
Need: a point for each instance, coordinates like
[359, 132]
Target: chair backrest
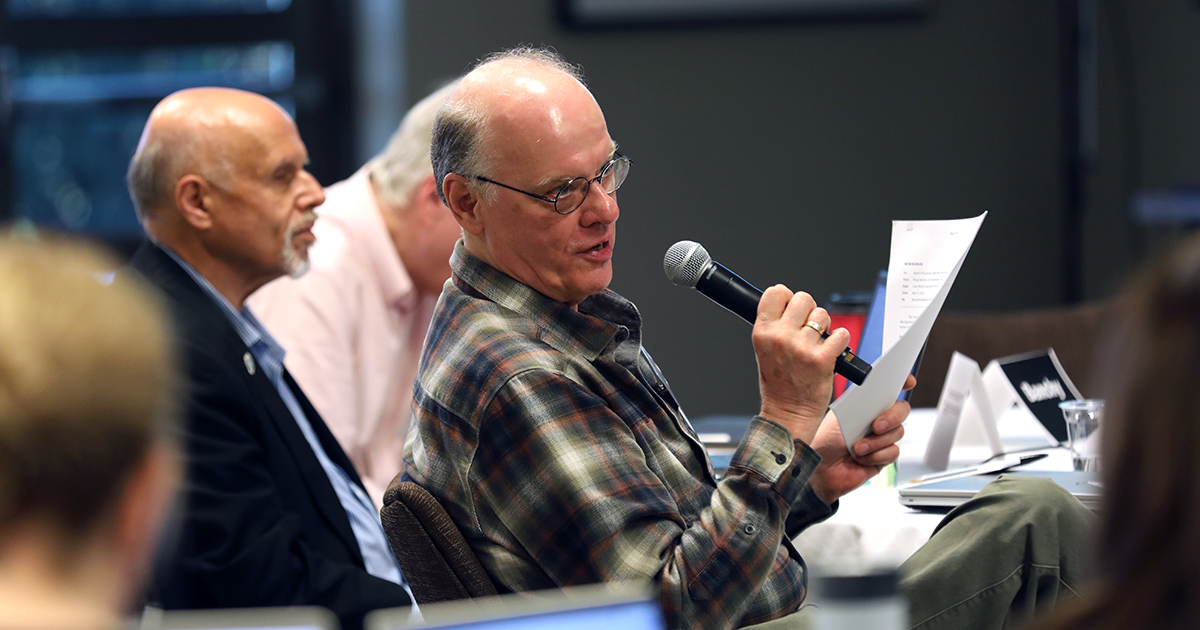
[1074, 332]
[435, 558]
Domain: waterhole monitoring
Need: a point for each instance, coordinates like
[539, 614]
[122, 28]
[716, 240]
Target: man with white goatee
[273, 512]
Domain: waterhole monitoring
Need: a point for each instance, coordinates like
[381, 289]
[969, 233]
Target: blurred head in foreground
[88, 465]
[1149, 538]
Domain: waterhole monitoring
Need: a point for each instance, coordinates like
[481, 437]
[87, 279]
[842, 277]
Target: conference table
[871, 526]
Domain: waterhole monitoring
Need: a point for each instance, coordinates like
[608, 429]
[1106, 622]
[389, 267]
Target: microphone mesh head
[684, 262]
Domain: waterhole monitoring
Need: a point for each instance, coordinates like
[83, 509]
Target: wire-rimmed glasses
[569, 196]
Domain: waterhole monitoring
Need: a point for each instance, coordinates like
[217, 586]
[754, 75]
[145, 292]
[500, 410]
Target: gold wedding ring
[815, 326]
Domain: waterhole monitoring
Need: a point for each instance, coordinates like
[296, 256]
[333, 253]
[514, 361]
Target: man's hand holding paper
[843, 469]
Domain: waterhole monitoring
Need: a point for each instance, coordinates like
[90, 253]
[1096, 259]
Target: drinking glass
[1083, 431]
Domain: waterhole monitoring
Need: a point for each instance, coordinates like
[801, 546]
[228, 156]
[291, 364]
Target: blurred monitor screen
[276, 618]
[577, 608]
[77, 116]
[52, 9]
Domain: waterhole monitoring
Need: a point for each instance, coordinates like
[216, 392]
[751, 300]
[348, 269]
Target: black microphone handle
[739, 297]
[728, 289]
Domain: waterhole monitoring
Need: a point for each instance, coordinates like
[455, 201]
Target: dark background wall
[787, 148]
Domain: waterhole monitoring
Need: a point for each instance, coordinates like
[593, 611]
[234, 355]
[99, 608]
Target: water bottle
[858, 599]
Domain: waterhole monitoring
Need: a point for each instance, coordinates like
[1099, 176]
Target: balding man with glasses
[546, 430]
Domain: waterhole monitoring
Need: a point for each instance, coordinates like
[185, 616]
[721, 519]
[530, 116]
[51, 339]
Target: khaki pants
[1014, 550]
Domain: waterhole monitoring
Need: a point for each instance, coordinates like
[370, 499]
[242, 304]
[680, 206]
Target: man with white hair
[354, 324]
[546, 430]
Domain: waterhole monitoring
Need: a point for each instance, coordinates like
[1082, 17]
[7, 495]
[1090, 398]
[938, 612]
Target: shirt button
[749, 529]
[779, 458]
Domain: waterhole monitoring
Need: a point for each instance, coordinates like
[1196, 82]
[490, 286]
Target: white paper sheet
[926, 257]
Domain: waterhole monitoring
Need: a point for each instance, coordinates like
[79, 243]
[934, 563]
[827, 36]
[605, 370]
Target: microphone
[688, 264]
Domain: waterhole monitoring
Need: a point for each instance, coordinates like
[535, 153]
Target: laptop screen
[870, 345]
[626, 616]
[578, 608]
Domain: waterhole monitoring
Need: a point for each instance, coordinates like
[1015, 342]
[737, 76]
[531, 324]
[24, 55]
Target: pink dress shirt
[353, 327]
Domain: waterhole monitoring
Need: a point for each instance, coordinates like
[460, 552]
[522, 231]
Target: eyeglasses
[568, 197]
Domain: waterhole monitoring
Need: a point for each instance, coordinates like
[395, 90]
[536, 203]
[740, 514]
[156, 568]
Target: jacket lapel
[284, 424]
[203, 319]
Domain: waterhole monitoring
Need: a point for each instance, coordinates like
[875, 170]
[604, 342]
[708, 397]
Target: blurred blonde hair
[88, 383]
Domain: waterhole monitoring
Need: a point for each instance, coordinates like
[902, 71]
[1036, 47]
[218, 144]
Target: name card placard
[1040, 384]
[967, 410]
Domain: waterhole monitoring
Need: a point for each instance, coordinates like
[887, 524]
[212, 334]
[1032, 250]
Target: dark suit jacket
[261, 524]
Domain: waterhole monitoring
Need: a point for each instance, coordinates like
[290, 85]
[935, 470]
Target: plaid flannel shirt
[554, 443]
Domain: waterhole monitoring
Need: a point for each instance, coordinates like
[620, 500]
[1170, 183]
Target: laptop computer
[595, 607]
[275, 618]
[946, 494]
